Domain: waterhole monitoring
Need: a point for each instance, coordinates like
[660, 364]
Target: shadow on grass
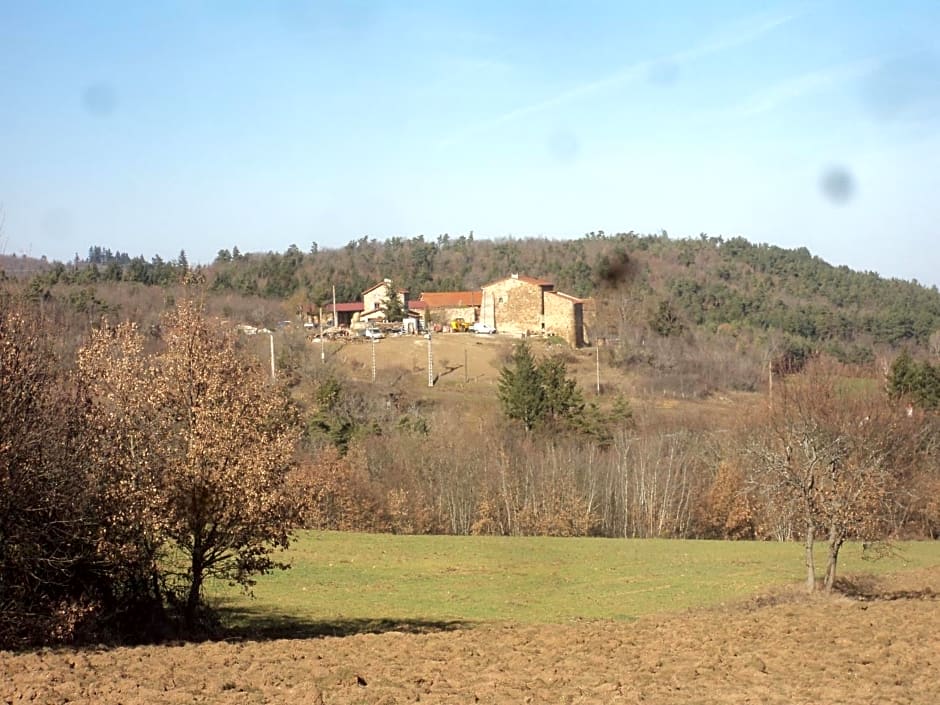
[239, 624]
[250, 625]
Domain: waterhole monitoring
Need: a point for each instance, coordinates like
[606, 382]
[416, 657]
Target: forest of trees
[706, 282]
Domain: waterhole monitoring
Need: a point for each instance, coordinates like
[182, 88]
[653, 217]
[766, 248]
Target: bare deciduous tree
[831, 449]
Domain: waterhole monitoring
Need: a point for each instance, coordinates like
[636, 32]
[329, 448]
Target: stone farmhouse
[527, 306]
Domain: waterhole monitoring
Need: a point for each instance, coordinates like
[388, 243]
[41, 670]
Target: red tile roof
[451, 299]
[350, 307]
[523, 278]
[563, 295]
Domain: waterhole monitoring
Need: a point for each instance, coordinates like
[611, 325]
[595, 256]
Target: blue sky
[155, 127]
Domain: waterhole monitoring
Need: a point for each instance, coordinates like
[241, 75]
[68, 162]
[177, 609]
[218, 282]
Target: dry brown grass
[471, 391]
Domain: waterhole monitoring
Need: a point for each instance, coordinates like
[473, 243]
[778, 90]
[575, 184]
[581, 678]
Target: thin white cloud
[801, 86]
[738, 35]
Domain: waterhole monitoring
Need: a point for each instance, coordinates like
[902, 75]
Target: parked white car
[374, 334]
[481, 327]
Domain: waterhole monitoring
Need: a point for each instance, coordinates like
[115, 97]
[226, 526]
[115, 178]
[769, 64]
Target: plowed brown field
[880, 646]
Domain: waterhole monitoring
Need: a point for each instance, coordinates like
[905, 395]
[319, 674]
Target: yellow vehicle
[459, 325]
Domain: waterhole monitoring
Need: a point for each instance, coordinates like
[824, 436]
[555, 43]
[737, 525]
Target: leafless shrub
[337, 494]
[53, 580]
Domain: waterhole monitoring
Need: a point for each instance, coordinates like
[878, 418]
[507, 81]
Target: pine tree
[520, 388]
[902, 376]
[393, 307]
[562, 397]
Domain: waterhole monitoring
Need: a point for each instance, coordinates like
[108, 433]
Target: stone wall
[589, 315]
[516, 306]
[564, 318]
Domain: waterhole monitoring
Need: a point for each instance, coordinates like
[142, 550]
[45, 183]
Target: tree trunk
[836, 539]
[195, 590]
[810, 563]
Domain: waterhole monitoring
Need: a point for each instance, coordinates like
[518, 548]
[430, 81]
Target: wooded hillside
[671, 286]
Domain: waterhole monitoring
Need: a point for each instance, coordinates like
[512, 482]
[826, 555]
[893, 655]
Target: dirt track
[795, 650]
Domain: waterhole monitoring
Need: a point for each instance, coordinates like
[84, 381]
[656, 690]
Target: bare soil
[879, 642]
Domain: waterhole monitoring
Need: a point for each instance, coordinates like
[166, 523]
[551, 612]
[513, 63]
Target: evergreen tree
[393, 307]
[538, 393]
[520, 388]
[666, 321]
[928, 386]
[902, 376]
[561, 395]
[918, 382]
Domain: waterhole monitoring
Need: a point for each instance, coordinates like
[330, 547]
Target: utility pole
[597, 351]
[322, 351]
[271, 336]
[373, 361]
[335, 317]
[466, 370]
[430, 363]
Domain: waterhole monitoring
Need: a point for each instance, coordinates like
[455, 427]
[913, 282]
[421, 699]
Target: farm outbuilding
[346, 313]
[445, 306]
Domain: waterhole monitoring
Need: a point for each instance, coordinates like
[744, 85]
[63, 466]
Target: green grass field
[345, 577]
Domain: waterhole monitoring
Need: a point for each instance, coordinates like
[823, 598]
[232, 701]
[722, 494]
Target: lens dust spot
[618, 270]
[99, 99]
[663, 73]
[56, 224]
[838, 185]
[563, 146]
